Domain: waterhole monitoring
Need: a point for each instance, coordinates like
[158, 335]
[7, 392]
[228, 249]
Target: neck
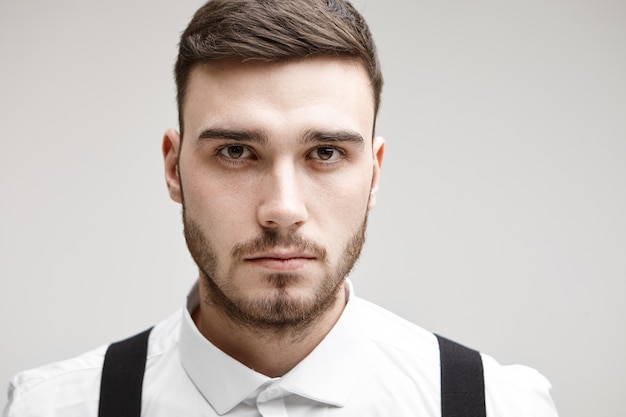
[272, 351]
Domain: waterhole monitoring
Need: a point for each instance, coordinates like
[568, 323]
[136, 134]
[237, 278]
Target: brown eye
[235, 152]
[325, 153]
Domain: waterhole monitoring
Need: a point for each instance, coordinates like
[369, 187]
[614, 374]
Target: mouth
[281, 260]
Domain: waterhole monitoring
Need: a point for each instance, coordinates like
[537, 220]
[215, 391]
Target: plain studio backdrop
[500, 222]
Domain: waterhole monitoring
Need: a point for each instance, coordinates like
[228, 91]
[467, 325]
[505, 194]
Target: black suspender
[462, 382]
[122, 377]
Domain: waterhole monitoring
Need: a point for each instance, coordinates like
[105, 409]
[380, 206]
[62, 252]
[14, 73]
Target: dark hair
[275, 31]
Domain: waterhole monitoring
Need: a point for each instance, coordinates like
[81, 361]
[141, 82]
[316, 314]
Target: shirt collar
[328, 374]
[222, 380]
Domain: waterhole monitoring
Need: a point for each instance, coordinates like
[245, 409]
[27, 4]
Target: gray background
[500, 221]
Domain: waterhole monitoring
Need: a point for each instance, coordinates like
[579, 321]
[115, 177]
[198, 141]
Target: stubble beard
[277, 311]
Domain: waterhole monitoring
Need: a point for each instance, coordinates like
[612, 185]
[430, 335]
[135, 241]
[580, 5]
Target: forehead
[312, 92]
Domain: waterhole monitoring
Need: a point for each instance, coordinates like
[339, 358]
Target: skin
[276, 172]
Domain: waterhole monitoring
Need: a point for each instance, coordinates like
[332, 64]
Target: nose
[282, 202]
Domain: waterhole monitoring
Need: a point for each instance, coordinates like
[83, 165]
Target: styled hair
[275, 31]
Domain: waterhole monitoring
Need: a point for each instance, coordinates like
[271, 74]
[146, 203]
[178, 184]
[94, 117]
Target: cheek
[344, 206]
[354, 193]
[209, 189]
[219, 208]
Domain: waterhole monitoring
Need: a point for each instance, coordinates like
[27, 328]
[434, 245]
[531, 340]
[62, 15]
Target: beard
[277, 310]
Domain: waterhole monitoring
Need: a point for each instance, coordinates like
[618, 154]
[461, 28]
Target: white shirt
[372, 363]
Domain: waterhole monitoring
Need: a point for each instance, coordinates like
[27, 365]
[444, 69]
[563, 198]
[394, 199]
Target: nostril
[284, 211]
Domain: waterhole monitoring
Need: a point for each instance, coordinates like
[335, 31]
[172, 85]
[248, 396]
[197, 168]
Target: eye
[325, 153]
[236, 152]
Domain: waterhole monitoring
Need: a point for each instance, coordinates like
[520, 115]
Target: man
[276, 166]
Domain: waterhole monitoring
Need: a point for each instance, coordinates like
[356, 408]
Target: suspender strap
[462, 380]
[122, 377]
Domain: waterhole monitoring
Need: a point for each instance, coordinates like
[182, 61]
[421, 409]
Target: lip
[281, 261]
[282, 255]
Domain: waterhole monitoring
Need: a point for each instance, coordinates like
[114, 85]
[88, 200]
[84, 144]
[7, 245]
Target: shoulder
[392, 333]
[512, 390]
[394, 352]
[56, 386]
[72, 387]
[516, 390]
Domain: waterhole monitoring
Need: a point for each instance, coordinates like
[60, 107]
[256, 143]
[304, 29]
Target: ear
[171, 149]
[378, 150]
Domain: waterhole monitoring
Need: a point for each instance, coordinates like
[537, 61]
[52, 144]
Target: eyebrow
[313, 136]
[231, 134]
[309, 136]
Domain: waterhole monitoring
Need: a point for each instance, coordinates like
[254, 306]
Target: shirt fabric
[372, 363]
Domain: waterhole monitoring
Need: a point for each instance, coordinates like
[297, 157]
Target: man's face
[276, 172]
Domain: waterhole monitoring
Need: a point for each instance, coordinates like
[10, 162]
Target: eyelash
[234, 161]
[341, 154]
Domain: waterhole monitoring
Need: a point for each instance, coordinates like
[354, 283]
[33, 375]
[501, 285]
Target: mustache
[271, 238]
